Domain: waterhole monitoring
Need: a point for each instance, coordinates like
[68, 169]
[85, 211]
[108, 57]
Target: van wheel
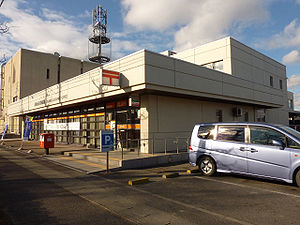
[207, 166]
[297, 178]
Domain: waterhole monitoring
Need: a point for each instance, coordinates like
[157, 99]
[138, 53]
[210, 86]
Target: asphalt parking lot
[222, 199]
[186, 199]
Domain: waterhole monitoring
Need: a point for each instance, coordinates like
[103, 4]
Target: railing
[152, 146]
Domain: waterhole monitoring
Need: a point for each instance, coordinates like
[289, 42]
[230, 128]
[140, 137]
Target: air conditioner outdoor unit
[237, 112]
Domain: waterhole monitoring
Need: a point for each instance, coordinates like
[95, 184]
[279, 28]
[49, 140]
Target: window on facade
[231, 133]
[264, 136]
[48, 74]
[271, 81]
[280, 84]
[206, 132]
[219, 114]
[246, 116]
[291, 104]
[14, 75]
[260, 115]
[15, 98]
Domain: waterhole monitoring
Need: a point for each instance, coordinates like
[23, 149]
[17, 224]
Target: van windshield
[291, 131]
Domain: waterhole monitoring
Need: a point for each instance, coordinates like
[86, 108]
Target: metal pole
[177, 145]
[153, 146]
[165, 146]
[122, 150]
[107, 162]
[139, 146]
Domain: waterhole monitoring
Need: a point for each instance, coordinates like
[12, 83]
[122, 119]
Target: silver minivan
[256, 149]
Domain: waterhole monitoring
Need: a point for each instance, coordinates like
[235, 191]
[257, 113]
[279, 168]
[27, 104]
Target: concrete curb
[154, 161]
[138, 181]
[170, 175]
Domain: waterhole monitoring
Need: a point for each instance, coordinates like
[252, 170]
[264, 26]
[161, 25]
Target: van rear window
[206, 132]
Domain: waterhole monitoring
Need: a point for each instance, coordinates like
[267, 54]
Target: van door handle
[253, 150]
[243, 149]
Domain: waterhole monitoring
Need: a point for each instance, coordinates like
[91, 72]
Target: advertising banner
[27, 128]
[5, 130]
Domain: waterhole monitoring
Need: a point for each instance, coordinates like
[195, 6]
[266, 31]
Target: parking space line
[245, 186]
[197, 208]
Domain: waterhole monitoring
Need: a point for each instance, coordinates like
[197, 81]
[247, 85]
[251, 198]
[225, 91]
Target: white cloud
[289, 37]
[291, 58]
[298, 1]
[52, 33]
[196, 21]
[294, 81]
[49, 31]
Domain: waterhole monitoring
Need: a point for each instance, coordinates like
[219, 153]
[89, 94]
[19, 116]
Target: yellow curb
[170, 175]
[138, 181]
[192, 171]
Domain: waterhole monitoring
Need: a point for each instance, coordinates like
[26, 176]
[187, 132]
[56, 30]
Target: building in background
[149, 98]
[30, 71]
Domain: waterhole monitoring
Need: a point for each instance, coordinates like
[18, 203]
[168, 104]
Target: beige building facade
[28, 72]
[159, 97]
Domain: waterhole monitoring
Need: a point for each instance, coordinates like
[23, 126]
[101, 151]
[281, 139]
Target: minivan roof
[242, 123]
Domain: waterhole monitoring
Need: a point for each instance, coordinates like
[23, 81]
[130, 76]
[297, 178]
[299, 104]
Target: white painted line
[245, 186]
[197, 208]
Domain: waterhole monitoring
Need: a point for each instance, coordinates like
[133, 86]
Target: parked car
[256, 149]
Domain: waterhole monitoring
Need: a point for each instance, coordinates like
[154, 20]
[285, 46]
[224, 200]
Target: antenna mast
[99, 36]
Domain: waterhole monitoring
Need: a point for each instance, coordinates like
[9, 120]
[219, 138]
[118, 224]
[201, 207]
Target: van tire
[297, 178]
[207, 166]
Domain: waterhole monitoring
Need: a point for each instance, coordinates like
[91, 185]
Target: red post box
[46, 141]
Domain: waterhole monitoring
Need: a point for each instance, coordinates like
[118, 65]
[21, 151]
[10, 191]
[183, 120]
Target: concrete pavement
[91, 160]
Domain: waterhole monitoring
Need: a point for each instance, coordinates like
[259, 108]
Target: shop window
[122, 117]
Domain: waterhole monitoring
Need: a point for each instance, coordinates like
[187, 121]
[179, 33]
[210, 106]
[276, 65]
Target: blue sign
[27, 128]
[107, 140]
[5, 130]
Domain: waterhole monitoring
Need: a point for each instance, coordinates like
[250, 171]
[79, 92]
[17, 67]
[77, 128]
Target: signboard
[27, 128]
[134, 100]
[5, 130]
[107, 140]
[110, 77]
[62, 126]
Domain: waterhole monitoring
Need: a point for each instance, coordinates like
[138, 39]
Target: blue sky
[269, 26]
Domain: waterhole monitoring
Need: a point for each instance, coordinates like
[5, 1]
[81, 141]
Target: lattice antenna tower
[99, 36]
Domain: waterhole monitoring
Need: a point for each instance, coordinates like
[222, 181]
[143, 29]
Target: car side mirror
[278, 143]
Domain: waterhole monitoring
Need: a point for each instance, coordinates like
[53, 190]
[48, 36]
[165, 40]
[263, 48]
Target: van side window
[292, 144]
[264, 136]
[206, 132]
[231, 133]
